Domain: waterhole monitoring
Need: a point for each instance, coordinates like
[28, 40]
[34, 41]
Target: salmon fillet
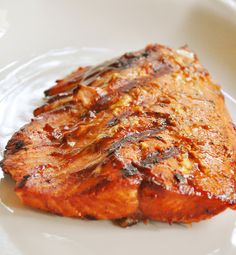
[143, 136]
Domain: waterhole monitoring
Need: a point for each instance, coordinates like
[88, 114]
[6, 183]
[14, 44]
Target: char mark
[155, 158]
[158, 137]
[58, 98]
[128, 59]
[125, 61]
[129, 170]
[47, 93]
[89, 217]
[179, 177]
[18, 145]
[101, 104]
[113, 122]
[137, 136]
[133, 137]
[23, 181]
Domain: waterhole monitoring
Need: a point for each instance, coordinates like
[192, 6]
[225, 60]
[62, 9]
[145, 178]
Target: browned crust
[143, 136]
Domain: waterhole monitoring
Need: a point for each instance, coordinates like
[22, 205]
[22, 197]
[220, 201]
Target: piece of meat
[143, 136]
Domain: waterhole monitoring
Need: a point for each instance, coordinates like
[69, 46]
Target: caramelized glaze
[143, 136]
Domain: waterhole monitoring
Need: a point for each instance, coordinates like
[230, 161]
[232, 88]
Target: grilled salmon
[143, 136]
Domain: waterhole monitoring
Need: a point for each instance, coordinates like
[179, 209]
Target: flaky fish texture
[143, 136]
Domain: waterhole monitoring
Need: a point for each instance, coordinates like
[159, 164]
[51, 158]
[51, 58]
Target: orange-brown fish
[143, 136]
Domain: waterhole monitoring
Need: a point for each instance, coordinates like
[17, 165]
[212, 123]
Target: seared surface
[144, 136]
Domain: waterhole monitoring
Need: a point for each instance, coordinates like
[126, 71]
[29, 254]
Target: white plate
[43, 40]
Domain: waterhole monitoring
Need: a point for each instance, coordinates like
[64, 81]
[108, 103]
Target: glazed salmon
[143, 136]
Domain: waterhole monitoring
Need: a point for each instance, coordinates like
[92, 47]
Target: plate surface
[40, 41]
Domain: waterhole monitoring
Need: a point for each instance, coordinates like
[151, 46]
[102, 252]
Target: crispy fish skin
[143, 136]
